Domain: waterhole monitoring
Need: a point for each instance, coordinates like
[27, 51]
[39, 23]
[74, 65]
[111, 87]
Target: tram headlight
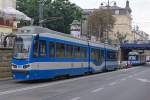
[14, 66]
[26, 66]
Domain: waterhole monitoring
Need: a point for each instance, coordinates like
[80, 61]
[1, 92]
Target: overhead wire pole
[107, 21]
[40, 12]
[107, 30]
[108, 5]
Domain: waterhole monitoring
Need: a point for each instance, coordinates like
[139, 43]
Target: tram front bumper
[19, 74]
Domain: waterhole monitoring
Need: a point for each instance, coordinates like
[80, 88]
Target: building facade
[76, 28]
[6, 24]
[123, 23]
[7, 3]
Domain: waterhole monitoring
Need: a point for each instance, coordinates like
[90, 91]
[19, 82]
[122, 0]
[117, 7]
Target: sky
[140, 10]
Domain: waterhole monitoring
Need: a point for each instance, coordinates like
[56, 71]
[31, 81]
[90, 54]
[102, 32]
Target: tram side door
[35, 56]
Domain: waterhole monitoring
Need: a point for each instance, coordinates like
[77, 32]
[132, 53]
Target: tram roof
[35, 30]
[41, 30]
[29, 30]
[133, 53]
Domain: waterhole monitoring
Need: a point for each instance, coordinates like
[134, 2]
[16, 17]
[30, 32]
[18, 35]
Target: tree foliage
[59, 13]
[121, 37]
[101, 21]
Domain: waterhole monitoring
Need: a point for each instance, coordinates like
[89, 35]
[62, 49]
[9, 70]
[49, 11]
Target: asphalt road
[130, 84]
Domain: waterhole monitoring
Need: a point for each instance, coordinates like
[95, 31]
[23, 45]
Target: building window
[42, 48]
[60, 50]
[51, 49]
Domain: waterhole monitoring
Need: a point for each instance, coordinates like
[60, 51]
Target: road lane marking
[97, 90]
[49, 84]
[140, 73]
[23, 89]
[124, 79]
[46, 85]
[143, 80]
[135, 75]
[113, 83]
[130, 76]
[125, 70]
[76, 98]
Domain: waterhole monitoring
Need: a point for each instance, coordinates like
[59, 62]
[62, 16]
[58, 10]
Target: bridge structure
[141, 47]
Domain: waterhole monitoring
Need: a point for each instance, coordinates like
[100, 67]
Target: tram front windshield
[22, 47]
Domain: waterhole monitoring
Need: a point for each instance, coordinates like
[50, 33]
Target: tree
[29, 7]
[100, 22]
[121, 37]
[59, 13]
[67, 11]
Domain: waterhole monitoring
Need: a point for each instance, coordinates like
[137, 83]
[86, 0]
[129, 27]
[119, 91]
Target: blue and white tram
[40, 53]
[134, 59]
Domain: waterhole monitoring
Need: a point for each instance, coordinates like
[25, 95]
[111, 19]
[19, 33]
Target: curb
[5, 79]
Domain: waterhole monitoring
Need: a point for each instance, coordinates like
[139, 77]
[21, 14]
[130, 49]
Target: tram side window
[100, 56]
[112, 55]
[69, 51]
[43, 48]
[96, 55]
[51, 49]
[36, 46]
[60, 50]
[92, 53]
[77, 52]
[102, 53]
[83, 53]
